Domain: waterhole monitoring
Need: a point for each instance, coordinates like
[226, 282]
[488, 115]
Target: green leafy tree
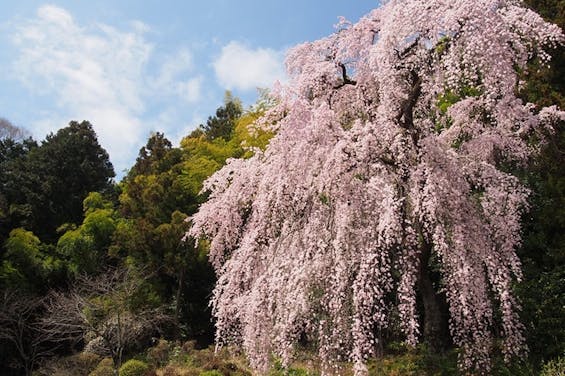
[188, 265]
[11, 149]
[45, 187]
[160, 192]
[85, 248]
[153, 203]
[30, 265]
[153, 156]
[544, 85]
[23, 261]
[14, 210]
[74, 164]
[205, 156]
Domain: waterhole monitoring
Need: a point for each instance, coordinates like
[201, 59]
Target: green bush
[211, 373]
[134, 367]
[279, 370]
[179, 357]
[401, 365]
[400, 361]
[556, 367]
[291, 371]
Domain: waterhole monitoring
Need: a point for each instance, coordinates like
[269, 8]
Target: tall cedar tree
[223, 123]
[46, 185]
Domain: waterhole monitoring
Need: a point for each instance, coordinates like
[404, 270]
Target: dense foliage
[44, 185]
[66, 226]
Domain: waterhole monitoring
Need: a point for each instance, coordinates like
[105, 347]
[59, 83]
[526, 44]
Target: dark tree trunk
[435, 332]
[179, 295]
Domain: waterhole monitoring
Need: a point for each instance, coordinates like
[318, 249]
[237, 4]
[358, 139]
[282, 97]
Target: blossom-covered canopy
[394, 138]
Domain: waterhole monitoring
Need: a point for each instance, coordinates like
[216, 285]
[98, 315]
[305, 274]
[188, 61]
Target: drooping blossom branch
[364, 183]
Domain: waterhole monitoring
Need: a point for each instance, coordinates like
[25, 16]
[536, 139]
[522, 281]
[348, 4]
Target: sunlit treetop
[394, 140]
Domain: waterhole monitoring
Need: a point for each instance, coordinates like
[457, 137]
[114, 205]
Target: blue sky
[135, 67]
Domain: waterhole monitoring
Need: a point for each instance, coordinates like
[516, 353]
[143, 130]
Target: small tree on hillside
[387, 181]
[102, 311]
[10, 131]
[20, 331]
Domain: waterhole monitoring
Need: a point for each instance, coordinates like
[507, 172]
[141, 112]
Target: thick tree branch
[406, 115]
[344, 77]
[408, 50]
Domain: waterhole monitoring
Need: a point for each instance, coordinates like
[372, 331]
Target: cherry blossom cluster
[392, 137]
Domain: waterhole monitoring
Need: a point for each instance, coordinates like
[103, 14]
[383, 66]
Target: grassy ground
[172, 359]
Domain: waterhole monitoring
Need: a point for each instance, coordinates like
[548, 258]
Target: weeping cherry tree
[394, 141]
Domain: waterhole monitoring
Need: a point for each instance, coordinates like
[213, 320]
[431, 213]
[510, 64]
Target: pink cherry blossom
[312, 237]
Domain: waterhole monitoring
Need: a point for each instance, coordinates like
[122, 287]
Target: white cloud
[139, 26]
[172, 78]
[56, 15]
[244, 68]
[180, 63]
[98, 73]
[190, 90]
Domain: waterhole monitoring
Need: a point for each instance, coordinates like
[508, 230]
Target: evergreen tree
[222, 124]
[45, 186]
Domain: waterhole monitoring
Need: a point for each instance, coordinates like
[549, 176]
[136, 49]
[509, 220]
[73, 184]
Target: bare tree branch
[9, 130]
[100, 308]
[19, 325]
[344, 77]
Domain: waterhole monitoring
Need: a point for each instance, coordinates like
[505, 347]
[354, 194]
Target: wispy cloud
[99, 73]
[244, 68]
[175, 77]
